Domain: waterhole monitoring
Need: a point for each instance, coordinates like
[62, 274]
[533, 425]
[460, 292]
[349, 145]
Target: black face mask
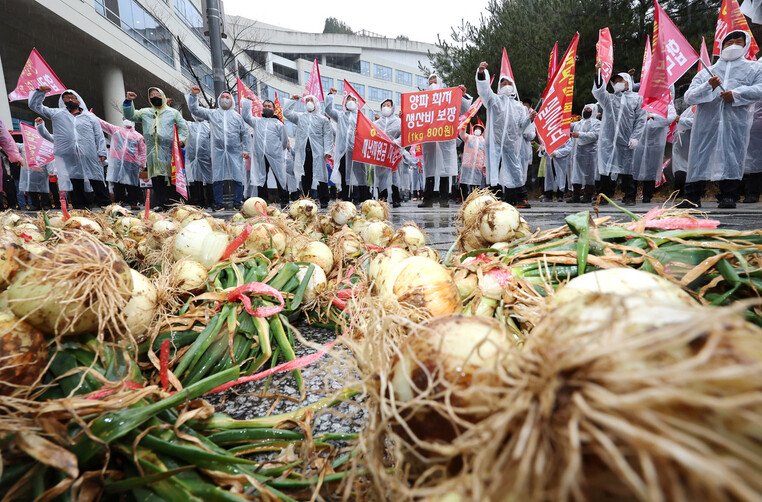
[156, 101]
[586, 114]
[267, 113]
[71, 105]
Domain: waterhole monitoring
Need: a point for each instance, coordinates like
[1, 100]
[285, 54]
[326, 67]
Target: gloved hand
[633, 144]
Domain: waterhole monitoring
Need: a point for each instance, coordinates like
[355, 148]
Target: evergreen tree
[333, 25]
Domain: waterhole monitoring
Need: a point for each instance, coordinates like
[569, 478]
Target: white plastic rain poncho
[33, 180]
[126, 155]
[556, 168]
[649, 155]
[474, 159]
[682, 142]
[585, 148]
[270, 140]
[291, 181]
[384, 177]
[317, 128]
[78, 140]
[623, 120]
[753, 162]
[229, 139]
[529, 134]
[346, 124]
[720, 135]
[440, 158]
[507, 119]
[198, 153]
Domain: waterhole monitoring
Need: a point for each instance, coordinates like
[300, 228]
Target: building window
[190, 15]
[382, 72]
[360, 88]
[327, 83]
[190, 64]
[376, 94]
[421, 82]
[140, 25]
[398, 99]
[365, 68]
[340, 87]
[404, 78]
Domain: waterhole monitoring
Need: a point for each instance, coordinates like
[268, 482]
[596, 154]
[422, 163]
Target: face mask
[386, 111]
[619, 87]
[508, 90]
[310, 106]
[267, 113]
[732, 53]
[586, 114]
[71, 105]
[351, 106]
[478, 132]
[226, 103]
[156, 101]
[434, 86]
[128, 123]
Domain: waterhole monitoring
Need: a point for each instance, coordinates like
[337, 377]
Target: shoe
[444, 203]
[573, 200]
[426, 203]
[628, 202]
[585, 199]
[726, 203]
[686, 204]
[217, 208]
[324, 205]
[523, 204]
[646, 200]
[751, 199]
[396, 204]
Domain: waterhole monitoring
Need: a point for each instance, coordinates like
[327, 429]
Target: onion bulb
[466, 282]
[23, 353]
[198, 242]
[318, 253]
[265, 236]
[82, 223]
[498, 222]
[471, 239]
[372, 208]
[303, 209]
[139, 311]
[493, 283]
[421, 283]
[428, 252]
[188, 275]
[345, 244]
[317, 283]
[384, 261]
[342, 212]
[165, 227]
[115, 210]
[408, 236]
[378, 233]
[472, 209]
[253, 207]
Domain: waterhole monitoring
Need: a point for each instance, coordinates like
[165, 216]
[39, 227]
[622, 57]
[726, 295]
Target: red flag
[314, 83]
[704, 61]
[505, 69]
[373, 146]
[472, 110]
[605, 54]
[553, 62]
[278, 108]
[350, 91]
[647, 56]
[35, 73]
[38, 150]
[662, 178]
[731, 19]
[672, 57]
[245, 92]
[178, 166]
[416, 151]
[553, 121]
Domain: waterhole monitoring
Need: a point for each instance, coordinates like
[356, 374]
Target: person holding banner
[158, 121]
[584, 155]
[474, 160]
[127, 157]
[313, 147]
[556, 168]
[34, 180]
[649, 155]
[507, 119]
[622, 126]
[229, 145]
[351, 176]
[198, 163]
[270, 141]
[724, 96]
[752, 166]
[384, 177]
[80, 147]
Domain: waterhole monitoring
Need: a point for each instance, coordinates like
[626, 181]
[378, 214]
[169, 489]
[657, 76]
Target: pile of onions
[428, 252]
[473, 205]
[164, 228]
[23, 353]
[378, 233]
[317, 283]
[408, 236]
[253, 207]
[318, 253]
[342, 212]
[198, 242]
[372, 208]
[421, 283]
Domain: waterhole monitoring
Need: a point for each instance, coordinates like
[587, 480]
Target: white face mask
[508, 90]
[351, 106]
[478, 132]
[386, 111]
[225, 103]
[732, 52]
[310, 106]
[128, 123]
[434, 86]
[619, 87]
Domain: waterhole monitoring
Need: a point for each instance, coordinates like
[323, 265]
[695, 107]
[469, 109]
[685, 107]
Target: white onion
[200, 243]
[421, 283]
[254, 206]
[164, 227]
[472, 239]
[303, 209]
[493, 283]
[139, 311]
[82, 223]
[498, 222]
[378, 233]
[408, 236]
[315, 285]
[188, 275]
[318, 253]
[342, 212]
[385, 260]
[473, 208]
[265, 236]
[466, 282]
[428, 252]
[372, 208]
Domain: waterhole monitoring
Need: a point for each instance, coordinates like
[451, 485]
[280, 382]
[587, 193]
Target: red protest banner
[314, 84]
[505, 68]
[38, 150]
[245, 92]
[350, 91]
[704, 61]
[178, 167]
[553, 121]
[373, 146]
[430, 115]
[553, 62]
[646, 66]
[278, 108]
[35, 73]
[605, 54]
[731, 19]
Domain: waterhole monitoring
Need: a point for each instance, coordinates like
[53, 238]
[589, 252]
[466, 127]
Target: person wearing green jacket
[157, 121]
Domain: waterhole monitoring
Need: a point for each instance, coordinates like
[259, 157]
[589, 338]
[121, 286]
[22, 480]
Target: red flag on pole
[704, 61]
[37, 150]
[278, 108]
[553, 121]
[553, 62]
[35, 73]
[472, 110]
[505, 69]
[373, 146]
[350, 91]
[314, 83]
[245, 92]
[647, 56]
[178, 166]
[605, 54]
[731, 19]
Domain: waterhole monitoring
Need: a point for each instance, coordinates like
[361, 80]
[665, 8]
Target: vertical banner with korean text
[178, 166]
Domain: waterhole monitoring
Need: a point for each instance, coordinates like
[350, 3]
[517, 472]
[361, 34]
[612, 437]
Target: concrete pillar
[5, 107]
[269, 63]
[113, 94]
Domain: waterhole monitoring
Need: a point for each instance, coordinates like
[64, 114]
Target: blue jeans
[218, 187]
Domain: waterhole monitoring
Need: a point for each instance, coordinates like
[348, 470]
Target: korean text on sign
[430, 115]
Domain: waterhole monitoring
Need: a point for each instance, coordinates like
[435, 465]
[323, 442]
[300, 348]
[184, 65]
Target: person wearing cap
[725, 96]
[474, 161]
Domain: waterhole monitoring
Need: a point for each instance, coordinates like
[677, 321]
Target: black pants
[128, 194]
[648, 190]
[678, 183]
[265, 192]
[752, 185]
[627, 184]
[729, 190]
[79, 199]
[396, 197]
[444, 188]
[343, 190]
[162, 192]
[9, 187]
[514, 195]
[465, 190]
[307, 178]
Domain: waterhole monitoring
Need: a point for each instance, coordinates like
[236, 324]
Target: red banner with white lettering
[314, 84]
[553, 121]
[605, 54]
[38, 150]
[373, 146]
[350, 91]
[731, 19]
[278, 108]
[245, 92]
[35, 73]
[178, 166]
[430, 115]
[647, 56]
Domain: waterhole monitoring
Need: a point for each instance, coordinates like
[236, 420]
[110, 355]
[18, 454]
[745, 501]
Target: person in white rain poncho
[474, 160]
[50, 169]
[350, 175]
[621, 128]
[229, 145]
[752, 166]
[507, 119]
[270, 141]
[529, 134]
[680, 147]
[440, 159]
[720, 136]
[34, 181]
[649, 155]
[556, 168]
[79, 146]
[314, 144]
[584, 156]
[127, 156]
[198, 163]
[384, 177]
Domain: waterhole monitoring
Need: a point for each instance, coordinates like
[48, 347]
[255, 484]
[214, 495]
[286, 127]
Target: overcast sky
[420, 20]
